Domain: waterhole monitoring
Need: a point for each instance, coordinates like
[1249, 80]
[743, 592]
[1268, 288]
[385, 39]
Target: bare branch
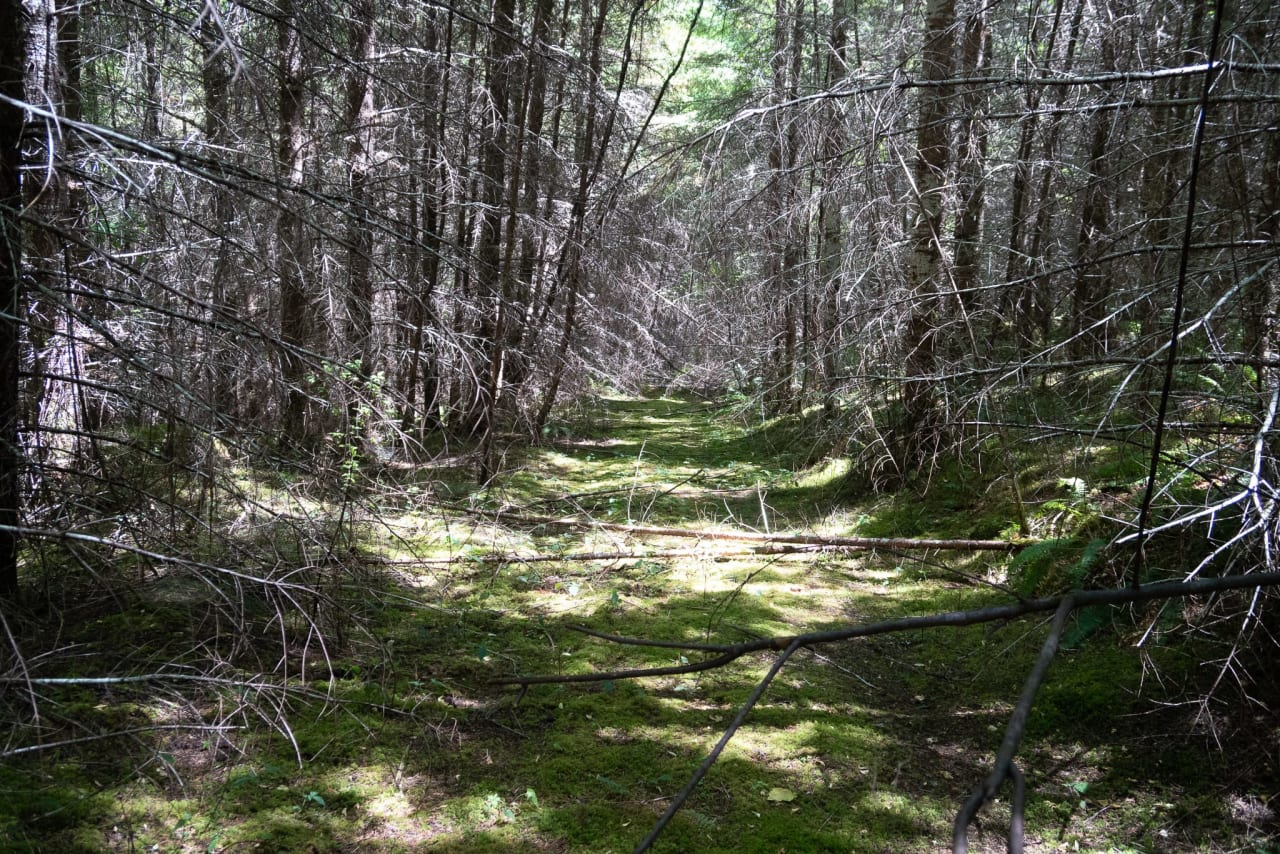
[709, 554]
[678, 800]
[995, 613]
[1063, 605]
[1012, 737]
[847, 543]
[1175, 332]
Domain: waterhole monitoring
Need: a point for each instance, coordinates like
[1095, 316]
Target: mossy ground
[873, 745]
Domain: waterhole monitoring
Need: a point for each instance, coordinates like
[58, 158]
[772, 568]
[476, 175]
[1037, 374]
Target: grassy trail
[862, 747]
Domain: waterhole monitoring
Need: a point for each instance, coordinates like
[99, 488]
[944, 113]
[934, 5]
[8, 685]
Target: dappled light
[663, 425]
[405, 741]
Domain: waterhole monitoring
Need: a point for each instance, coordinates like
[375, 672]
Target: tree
[12, 70]
[292, 262]
[782, 236]
[975, 56]
[215, 78]
[926, 275]
[830, 251]
[360, 121]
[489, 273]
[587, 155]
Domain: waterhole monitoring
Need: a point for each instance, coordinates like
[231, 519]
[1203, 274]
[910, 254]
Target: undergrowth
[394, 736]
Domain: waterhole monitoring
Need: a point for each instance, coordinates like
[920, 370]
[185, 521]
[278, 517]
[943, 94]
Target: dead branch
[666, 554]
[995, 613]
[848, 543]
[1003, 768]
[678, 800]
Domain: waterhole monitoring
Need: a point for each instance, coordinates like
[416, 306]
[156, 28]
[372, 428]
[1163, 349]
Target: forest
[606, 425]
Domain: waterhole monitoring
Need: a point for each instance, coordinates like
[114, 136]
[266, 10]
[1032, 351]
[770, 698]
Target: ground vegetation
[360, 361]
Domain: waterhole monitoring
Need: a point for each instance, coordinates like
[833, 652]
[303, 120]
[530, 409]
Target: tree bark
[216, 81]
[852, 543]
[831, 225]
[782, 244]
[489, 273]
[971, 177]
[12, 65]
[921, 419]
[1087, 328]
[292, 259]
[360, 121]
[569, 266]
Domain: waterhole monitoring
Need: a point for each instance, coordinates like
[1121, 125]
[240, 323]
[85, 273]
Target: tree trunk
[1089, 296]
[360, 120]
[216, 82]
[493, 167]
[1040, 294]
[921, 418]
[569, 265]
[783, 252]
[12, 65]
[1087, 326]
[831, 224]
[971, 177]
[532, 244]
[292, 258]
[430, 226]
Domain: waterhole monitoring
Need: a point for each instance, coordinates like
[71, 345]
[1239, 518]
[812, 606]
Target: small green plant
[611, 785]
[348, 448]
[1054, 565]
[1088, 621]
[557, 432]
[1069, 513]
[496, 810]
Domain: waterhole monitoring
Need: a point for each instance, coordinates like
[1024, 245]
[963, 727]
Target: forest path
[419, 742]
[867, 746]
[678, 461]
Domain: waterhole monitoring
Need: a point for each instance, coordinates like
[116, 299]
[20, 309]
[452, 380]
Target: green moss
[39, 804]
[877, 741]
[1086, 693]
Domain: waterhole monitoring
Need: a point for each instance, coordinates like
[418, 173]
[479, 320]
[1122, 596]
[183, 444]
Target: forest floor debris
[869, 746]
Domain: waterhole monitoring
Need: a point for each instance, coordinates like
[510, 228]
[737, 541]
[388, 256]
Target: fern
[1089, 559]
[1088, 621]
[1047, 566]
[1030, 567]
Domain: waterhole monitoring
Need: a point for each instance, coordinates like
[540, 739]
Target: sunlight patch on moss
[829, 473]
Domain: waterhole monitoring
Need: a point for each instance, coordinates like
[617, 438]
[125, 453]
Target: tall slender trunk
[291, 248]
[493, 167]
[569, 266]
[360, 120]
[1088, 334]
[830, 223]
[216, 81]
[1258, 204]
[532, 244]
[1029, 306]
[782, 243]
[12, 65]
[972, 164]
[921, 417]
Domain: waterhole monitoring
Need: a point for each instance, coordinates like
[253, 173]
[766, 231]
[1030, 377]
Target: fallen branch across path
[847, 543]
[786, 646]
[666, 554]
